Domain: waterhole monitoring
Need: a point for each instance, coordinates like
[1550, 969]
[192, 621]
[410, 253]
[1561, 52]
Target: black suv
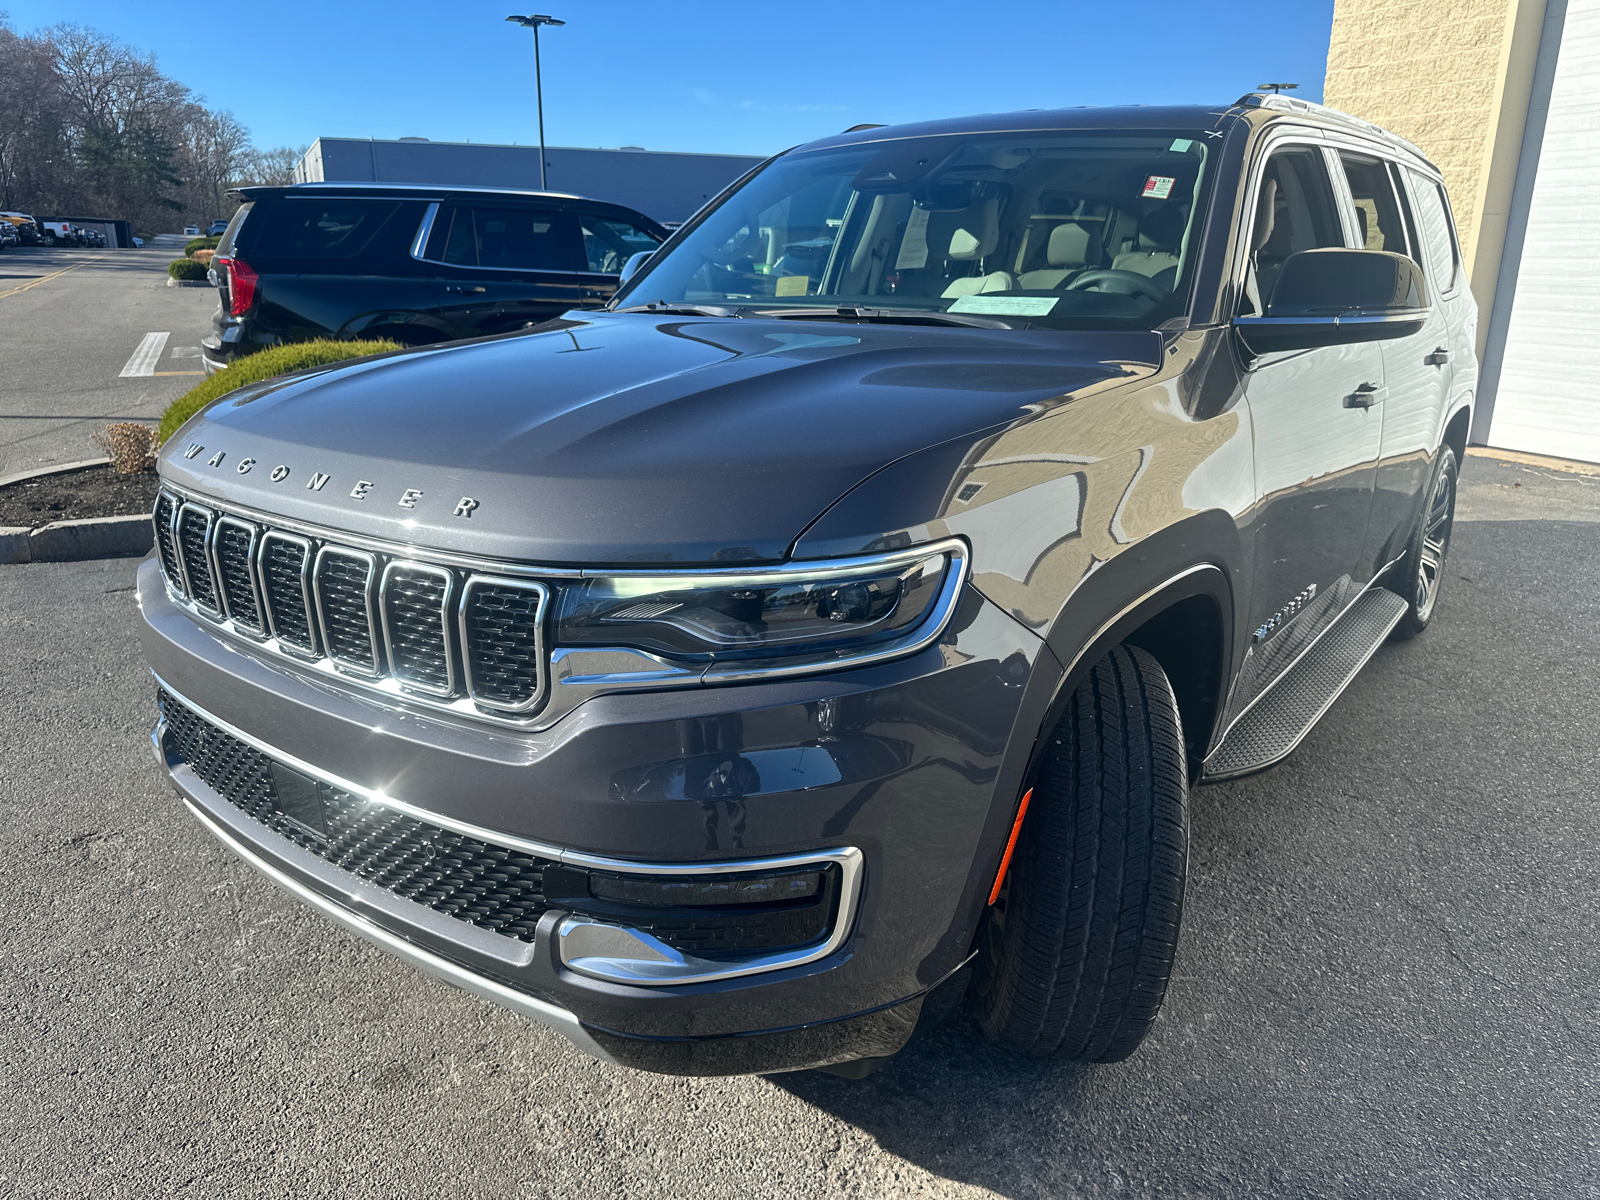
[414, 264]
[836, 623]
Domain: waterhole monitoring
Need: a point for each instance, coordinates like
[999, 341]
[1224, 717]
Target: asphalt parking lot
[1389, 983]
[70, 321]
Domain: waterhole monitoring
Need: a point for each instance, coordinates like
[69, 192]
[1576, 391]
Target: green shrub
[265, 364]
[186, 268]
[202, 243]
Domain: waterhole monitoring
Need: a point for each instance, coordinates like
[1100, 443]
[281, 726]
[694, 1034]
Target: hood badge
[464, 507]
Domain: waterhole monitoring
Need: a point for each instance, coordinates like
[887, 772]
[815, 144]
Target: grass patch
[265, 364]
[201, 243]
[186, 268]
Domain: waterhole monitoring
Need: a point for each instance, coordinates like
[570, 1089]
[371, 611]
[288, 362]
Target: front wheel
[1420, 574]
[1077, 951]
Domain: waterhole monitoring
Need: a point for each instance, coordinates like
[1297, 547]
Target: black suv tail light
[241, 285]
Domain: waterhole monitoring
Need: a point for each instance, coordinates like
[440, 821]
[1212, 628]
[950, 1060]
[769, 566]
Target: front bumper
[914, 753]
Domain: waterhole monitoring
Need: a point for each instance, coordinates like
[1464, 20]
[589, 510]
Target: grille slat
[194, 524]
[416, 625]
[166, 542]
[283, 570]
[233, 546]
[500, 642]
[343, 585]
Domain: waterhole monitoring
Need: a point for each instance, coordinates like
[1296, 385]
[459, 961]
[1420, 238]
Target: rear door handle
[1438, 358]
[465, 291]
[1364, 396]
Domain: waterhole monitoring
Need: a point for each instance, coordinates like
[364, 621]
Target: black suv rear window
[318, 228]
[514, 239]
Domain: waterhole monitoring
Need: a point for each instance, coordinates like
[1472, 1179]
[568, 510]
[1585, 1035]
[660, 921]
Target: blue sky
[739, 78]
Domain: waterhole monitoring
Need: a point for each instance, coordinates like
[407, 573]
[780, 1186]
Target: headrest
[1163, 227]
[978, 232]
[1069, 245]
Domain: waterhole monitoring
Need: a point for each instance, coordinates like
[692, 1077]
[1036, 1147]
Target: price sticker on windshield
[1157, 187]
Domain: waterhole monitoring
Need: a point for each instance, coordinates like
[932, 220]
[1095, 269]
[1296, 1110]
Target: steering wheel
[1136, 284]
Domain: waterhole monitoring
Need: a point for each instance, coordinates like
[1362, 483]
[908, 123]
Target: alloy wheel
[1435, 544]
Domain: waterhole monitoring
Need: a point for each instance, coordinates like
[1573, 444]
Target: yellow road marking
[177, 372]
[52, 275]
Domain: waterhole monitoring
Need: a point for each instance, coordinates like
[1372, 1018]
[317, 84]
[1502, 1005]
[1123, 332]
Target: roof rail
[867, 125]
[1280, 103]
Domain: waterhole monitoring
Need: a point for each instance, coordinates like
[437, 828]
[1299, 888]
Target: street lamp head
[535, 20]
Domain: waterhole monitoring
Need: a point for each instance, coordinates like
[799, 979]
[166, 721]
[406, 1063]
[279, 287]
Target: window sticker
[1157, 187]
[791, 285]
[1180, 145]
[914, 246]
[1005, 306]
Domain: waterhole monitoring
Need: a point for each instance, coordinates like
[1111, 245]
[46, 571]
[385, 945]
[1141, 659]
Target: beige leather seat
[976, 235]
[1071, 248]
[1160, 233]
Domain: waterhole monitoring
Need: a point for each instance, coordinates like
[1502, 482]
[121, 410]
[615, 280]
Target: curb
[58, 469]
[70, 541]
[171, 282]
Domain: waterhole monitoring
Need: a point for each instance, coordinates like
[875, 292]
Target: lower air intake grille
[500, 632]
[491, 887]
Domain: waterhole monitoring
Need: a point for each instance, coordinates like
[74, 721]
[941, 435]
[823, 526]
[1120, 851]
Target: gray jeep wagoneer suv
[834, 624]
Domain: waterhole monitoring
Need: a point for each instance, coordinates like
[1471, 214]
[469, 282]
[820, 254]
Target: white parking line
[146, 356]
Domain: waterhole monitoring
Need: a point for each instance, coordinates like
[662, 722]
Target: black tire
[1076, 953]
[1418, 577]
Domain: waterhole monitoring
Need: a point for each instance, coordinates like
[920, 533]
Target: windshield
[1059, 230]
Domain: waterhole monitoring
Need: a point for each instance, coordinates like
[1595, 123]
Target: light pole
[533, 22]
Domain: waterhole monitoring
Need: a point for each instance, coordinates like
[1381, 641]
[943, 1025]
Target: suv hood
[625, 438]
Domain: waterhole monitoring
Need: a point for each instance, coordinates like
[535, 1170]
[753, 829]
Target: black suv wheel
[1079, 946]
[1420, 574]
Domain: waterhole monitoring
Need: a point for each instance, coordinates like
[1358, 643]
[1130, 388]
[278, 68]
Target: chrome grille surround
[354, 612]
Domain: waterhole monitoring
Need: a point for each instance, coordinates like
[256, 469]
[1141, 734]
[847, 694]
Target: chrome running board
[1289, 709]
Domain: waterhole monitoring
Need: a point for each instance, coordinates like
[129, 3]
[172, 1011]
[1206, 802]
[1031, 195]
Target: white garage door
[1549, 396]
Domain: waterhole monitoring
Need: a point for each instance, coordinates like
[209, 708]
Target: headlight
[755, 617]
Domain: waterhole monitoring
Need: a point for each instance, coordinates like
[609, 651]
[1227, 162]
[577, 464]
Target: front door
[500, 269]
[1318, 420]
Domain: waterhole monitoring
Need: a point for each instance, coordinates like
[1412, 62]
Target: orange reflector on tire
[1005, 859]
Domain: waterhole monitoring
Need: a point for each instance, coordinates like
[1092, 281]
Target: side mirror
[631, 267]
[1334, 297]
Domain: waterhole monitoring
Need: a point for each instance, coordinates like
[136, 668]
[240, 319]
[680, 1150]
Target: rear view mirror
[631, 267]
[1333, 297]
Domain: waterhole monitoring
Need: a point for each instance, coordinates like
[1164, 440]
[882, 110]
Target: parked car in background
[732, 678]
[8, 235]
[191, 231]
[27, 228]
[416, 264]
[217, 227]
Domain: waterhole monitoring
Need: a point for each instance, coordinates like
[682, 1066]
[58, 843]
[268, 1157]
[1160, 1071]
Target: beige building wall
[1453, 76]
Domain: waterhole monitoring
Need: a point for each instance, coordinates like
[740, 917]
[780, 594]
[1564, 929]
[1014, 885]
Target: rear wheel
[1077, 951]
[1420, 574]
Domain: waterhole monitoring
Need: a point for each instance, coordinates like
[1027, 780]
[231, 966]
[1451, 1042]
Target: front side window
[512, 239]
[608, 243]
[1295, 211]
[1058, 229]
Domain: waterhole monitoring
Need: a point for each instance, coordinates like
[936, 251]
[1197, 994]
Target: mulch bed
[96, 491]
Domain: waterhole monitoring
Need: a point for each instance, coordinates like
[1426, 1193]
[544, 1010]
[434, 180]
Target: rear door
[1416, 369]
[498, 267]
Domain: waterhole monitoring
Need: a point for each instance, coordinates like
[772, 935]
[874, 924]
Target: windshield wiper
[901, 316]
[662, 308]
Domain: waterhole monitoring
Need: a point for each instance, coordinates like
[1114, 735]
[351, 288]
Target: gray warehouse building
[666, 186]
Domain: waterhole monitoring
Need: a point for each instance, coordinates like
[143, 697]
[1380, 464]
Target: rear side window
[321, 228]
[1437, 231]
[1378, 219]
[231, 233]
[608, 243]
[513, 239]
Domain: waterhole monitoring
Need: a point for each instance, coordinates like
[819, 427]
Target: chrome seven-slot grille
[443, 635]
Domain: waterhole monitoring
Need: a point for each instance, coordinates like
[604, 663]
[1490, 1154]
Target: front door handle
[464, 290]
[1438, 358]
[1364, 396]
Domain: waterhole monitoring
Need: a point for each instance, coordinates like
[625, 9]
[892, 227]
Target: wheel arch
[1456, 430]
